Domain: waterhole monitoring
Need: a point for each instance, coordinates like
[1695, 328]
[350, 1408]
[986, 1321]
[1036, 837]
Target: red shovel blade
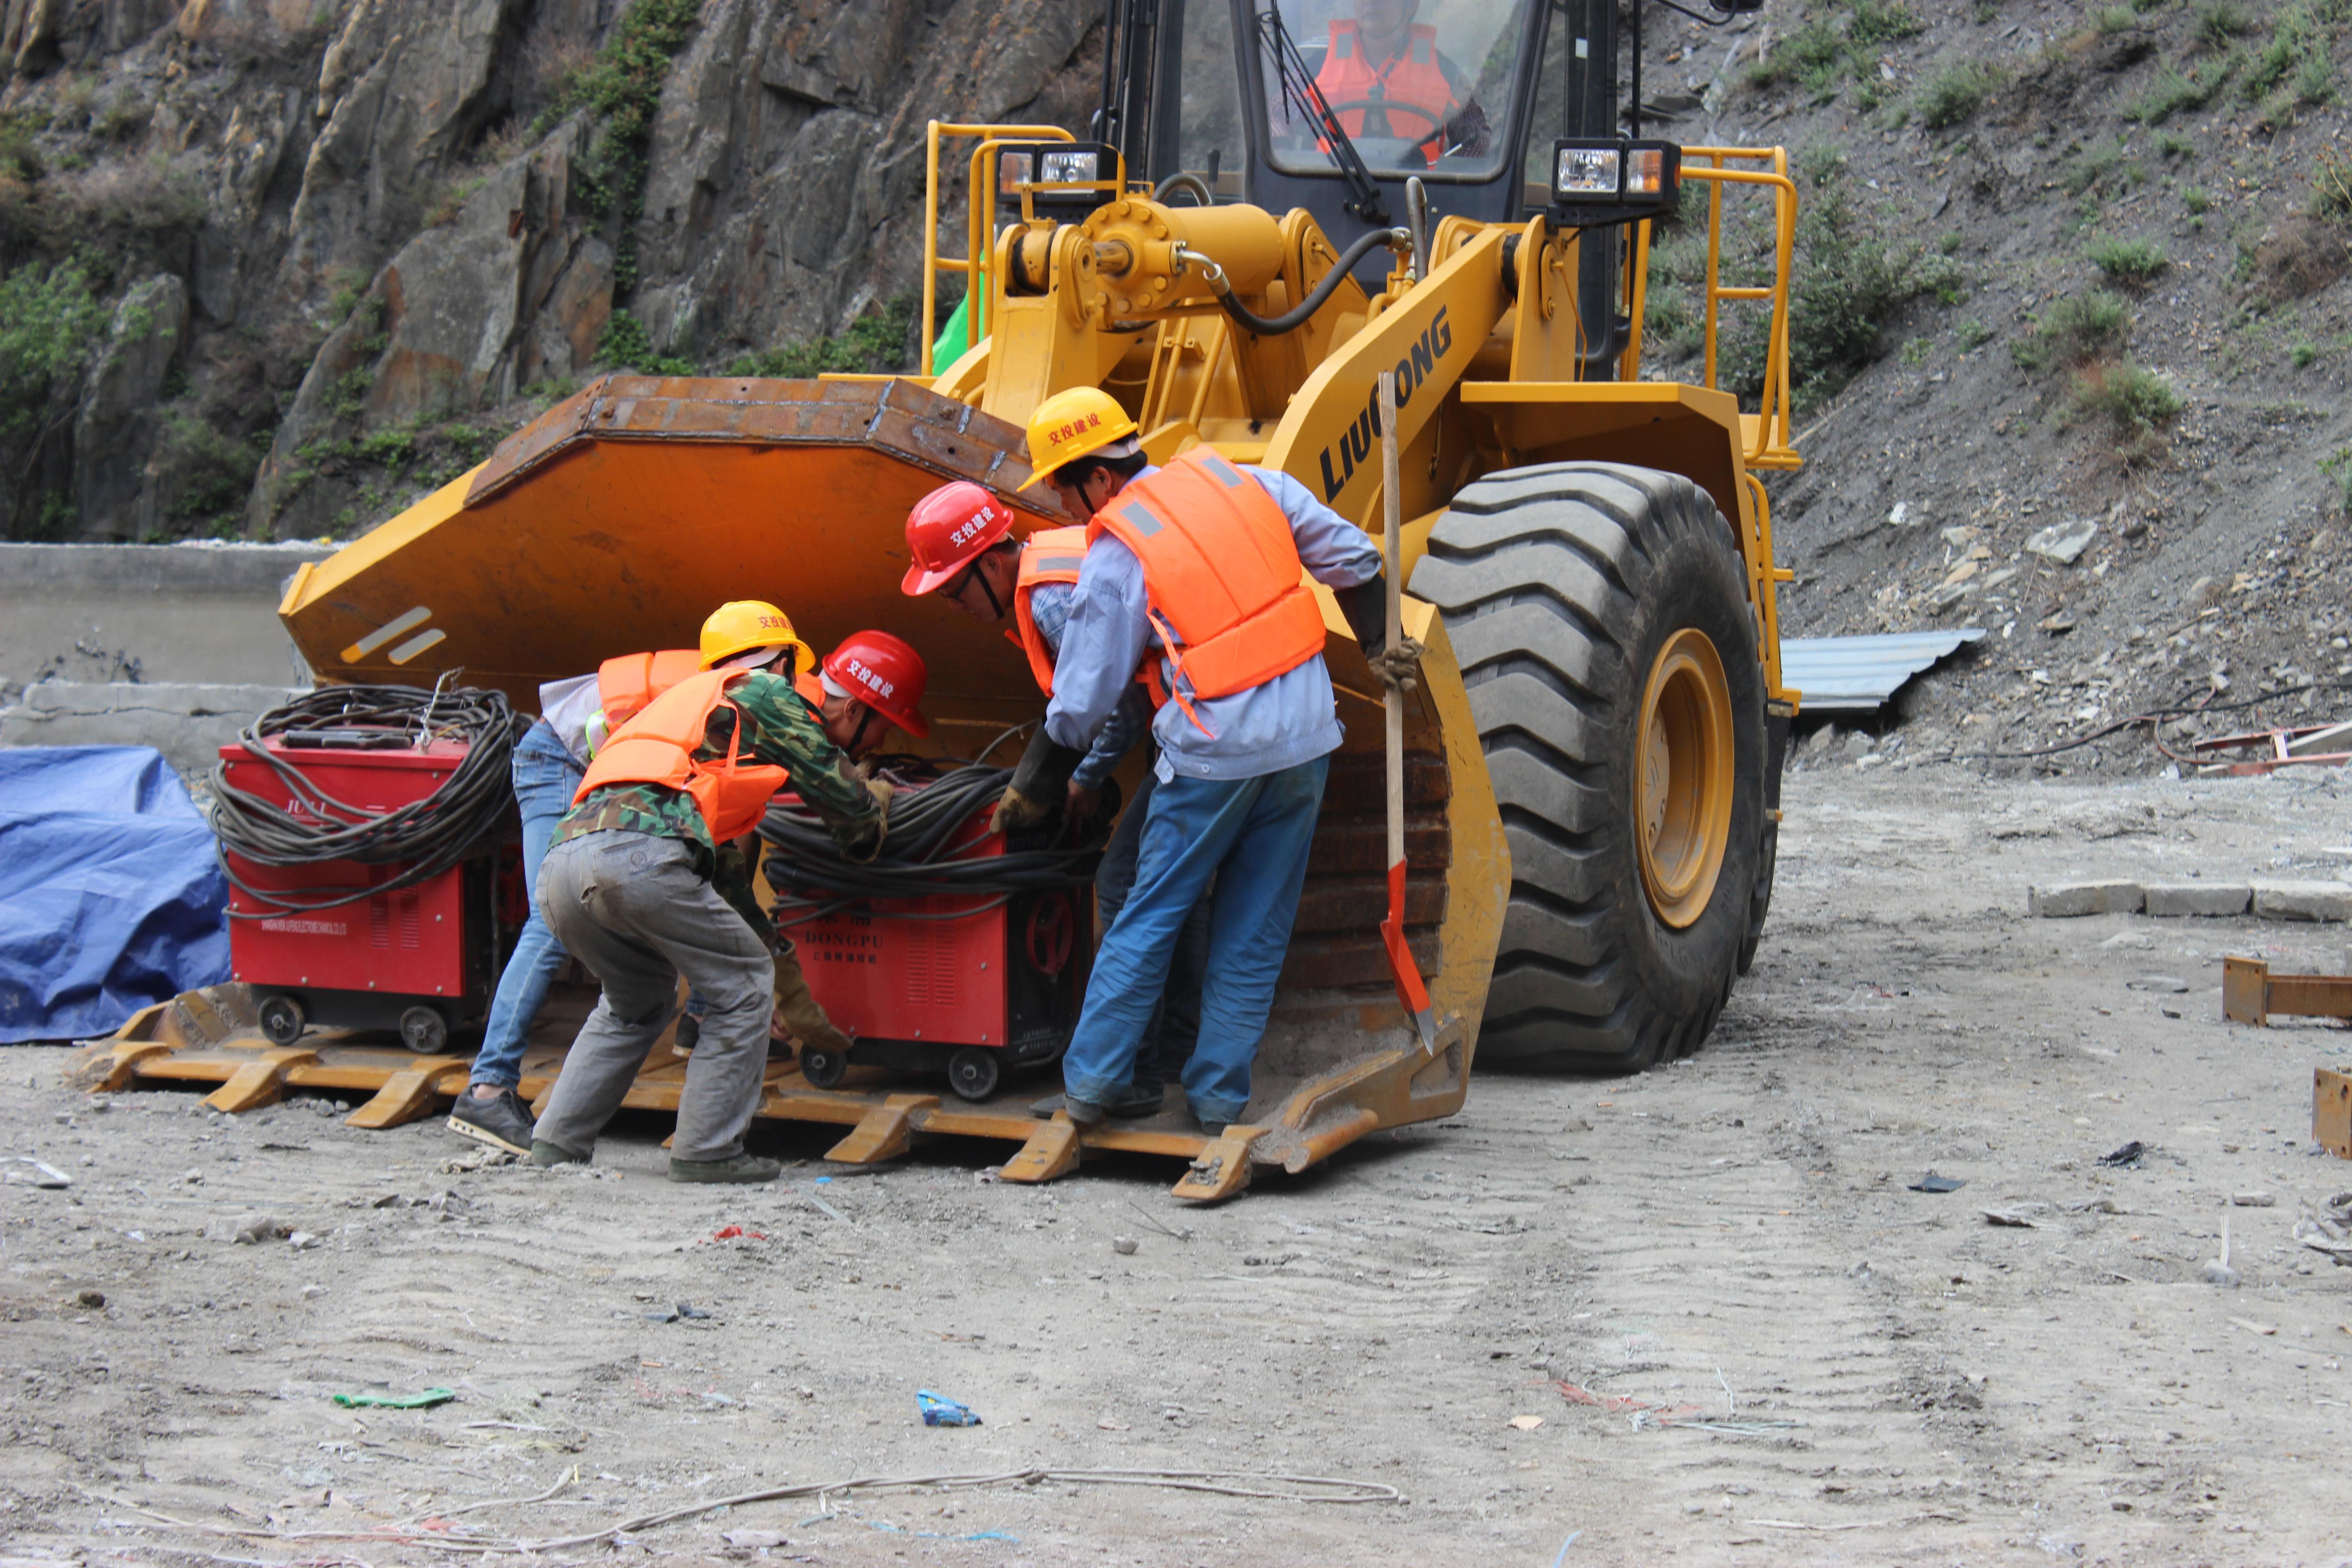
[1410, 990]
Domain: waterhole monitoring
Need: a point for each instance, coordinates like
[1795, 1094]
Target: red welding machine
[421, 959]
[975, 985]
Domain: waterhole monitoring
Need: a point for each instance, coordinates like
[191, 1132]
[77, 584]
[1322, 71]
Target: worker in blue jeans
[545, 777]
[1204, 558]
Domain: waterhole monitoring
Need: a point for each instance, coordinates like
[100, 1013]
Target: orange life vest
[1050, 555]
[1414, 78]
[657, 747]
[624, 685]
[1220, 573]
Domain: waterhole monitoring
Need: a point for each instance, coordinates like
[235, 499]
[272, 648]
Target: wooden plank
[2331, 1112]
[884, 1132]
[1052, 1151]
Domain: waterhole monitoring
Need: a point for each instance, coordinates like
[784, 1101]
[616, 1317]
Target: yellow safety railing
[974, 262]
[1767, 443]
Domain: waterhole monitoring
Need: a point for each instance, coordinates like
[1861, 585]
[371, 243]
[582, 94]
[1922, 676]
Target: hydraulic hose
[430, 834]
[916, 859]
[1184, 179]
[1290, 321]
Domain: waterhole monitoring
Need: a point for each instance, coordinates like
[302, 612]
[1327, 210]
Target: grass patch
[2196, 200]
[1973, 335]
[2331, 187]
[626, 346]
[1956, 93]
[2339, 467]
[2136, 404]
[2111, 19]
[875, 345]
[2175, 91]
[2134, 263]
[1820, 57]
[2220, 24]
[2074, 332]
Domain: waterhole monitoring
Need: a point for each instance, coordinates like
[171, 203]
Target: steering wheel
[1391, 106]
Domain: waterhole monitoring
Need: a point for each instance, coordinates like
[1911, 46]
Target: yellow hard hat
[742, 625]
[1069, 425]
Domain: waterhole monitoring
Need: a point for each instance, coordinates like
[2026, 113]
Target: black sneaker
[502, 1124]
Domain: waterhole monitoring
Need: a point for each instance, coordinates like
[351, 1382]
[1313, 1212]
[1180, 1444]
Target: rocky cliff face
[273, 265]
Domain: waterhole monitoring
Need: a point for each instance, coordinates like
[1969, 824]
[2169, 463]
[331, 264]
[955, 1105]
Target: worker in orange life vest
[1383, 58]
[1204, 559]
[631, 885]
[960, 538]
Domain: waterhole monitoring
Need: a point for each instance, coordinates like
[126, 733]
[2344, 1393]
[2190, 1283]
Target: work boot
[502, 1122]
[687, 1035]
[1138, 1099]
[1084, 1112]
[739, 1168]
[544, 1153]
[802, 1015]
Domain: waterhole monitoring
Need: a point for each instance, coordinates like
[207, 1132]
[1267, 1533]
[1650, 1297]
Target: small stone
[193, 1178]
[2220, 1273]
[2065, 900]
[2063, 541]
[2170, 983]
[1123, 1244]
[91, 1298]
[312, 1292]
[2134, 939]
[258, 1230]
[2255, 1200]
[302, 1241]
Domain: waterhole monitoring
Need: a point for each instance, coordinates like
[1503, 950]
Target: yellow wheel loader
[1277, 201]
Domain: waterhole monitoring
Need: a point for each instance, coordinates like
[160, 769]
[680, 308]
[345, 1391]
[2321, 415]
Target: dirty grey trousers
[630, 907]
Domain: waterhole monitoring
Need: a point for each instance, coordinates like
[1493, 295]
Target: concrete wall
[188, 723]
[151, 614]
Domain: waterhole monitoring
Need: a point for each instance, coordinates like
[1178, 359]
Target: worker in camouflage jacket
[645, 881]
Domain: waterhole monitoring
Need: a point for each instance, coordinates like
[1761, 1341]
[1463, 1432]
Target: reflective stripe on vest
[657, 747]
[1413, 77]
[1050, 555]
[1221, 571]
[624, 685]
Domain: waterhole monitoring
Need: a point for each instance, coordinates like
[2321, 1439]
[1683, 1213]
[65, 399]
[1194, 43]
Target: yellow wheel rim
[1684, 820]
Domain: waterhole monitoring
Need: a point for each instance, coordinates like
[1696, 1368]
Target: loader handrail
[1769, 446]
[974, 262]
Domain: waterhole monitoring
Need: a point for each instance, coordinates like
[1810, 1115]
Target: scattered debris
[2217, 1270]
[1525, 1423]
[2125, 1158]
[2172, 985]
[2017, 1217]
[40, 1175]
[420, 1401]
[2063, 541]
[736, 1233]
[2252, 1327]
[1123, 1244]
[1932, 1182]
[939, 1410]
[2253, 1200]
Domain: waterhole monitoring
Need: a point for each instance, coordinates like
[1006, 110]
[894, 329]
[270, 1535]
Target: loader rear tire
[1601, 618]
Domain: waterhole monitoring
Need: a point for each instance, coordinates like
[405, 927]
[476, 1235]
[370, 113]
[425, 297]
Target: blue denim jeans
[1176, 1021]
[1252, 836]
[545, 775]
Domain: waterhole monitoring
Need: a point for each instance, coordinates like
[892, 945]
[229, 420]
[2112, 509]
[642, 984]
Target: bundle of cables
[919, 859]
[429, 836]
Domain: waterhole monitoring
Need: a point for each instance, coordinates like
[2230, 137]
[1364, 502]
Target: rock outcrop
[368, 222]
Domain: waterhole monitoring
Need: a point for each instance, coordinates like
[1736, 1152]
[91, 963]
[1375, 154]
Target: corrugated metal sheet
[1856, 675]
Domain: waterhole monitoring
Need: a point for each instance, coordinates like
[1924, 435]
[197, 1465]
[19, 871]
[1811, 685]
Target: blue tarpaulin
[111, 896]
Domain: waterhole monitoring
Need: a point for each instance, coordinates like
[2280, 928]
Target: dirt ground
[1884, 1375]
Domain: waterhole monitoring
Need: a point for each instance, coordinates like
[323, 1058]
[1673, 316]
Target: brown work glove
[1014, 809]
[1400, 666]
[881, 790]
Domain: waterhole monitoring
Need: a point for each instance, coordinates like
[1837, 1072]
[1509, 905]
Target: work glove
[1014, 809]
[881, 790]
[1400, 666]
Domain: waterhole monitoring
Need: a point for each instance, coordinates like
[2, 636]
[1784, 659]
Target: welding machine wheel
[424, 1030]
[822, 1068]
[973, 1073]
[282, 1020]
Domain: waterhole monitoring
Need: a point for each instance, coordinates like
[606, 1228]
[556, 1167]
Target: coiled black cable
[916, 859]
[431, 835]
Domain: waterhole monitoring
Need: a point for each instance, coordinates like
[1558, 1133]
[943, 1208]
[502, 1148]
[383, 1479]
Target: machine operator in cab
[960, 538]
[1384, 55]
[1204, 558]
[645, 881]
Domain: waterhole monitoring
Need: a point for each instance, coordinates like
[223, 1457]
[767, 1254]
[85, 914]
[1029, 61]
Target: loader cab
[1467, 95]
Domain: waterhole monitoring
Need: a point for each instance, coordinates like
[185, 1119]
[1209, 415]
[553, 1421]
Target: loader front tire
[1599, 615]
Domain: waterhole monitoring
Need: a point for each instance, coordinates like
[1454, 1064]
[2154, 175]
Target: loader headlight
[1060, 180]
[1069, 168]
[1617, 181]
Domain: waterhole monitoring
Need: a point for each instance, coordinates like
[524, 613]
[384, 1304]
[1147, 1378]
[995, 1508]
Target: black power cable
[429, 835]
[916, 859]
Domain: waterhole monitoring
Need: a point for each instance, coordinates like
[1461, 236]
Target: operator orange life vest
[657, 747]
[1414, 78]
[1220, 573]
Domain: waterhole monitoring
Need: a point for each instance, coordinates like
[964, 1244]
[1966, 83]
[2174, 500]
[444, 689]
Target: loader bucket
[617, 520]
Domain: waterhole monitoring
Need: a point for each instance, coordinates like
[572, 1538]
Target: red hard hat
[885, 674]
[949, 530]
